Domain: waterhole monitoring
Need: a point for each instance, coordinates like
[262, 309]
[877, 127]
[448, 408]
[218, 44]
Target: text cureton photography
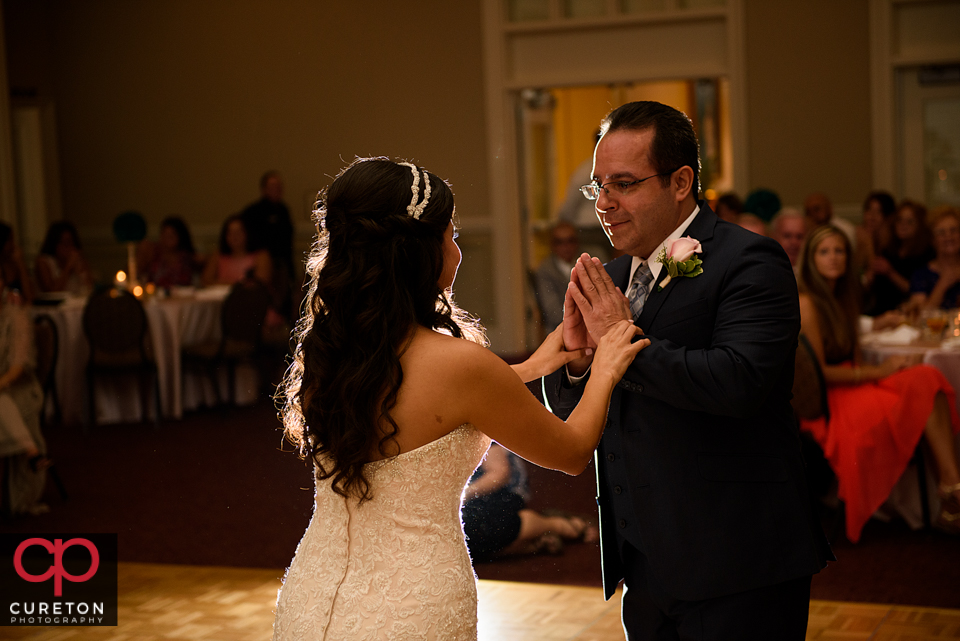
[58, 579]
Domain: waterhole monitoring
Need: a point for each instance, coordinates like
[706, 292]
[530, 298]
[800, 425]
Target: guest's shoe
[949, 520]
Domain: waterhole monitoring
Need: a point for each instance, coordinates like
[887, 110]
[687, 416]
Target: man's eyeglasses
[619, 187]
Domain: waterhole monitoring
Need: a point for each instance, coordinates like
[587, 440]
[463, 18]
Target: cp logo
[56, 570]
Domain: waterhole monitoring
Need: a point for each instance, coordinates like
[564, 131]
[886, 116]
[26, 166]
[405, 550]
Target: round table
[174, 323]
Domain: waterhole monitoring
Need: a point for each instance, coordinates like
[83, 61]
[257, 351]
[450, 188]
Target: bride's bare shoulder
[445, 352]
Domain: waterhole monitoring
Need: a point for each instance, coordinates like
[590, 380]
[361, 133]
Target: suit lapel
[702, 229]
[619, 271]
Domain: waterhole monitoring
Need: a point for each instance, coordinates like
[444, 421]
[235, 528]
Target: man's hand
[601, 304]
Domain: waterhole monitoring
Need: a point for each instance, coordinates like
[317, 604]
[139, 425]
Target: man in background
[268, 222]
[553, 275]
[269, 227]
[819, 211]
[789, 229]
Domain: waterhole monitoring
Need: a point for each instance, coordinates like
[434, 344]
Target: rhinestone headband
[413, 208]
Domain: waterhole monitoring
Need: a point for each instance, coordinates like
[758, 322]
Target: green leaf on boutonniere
[688, 268]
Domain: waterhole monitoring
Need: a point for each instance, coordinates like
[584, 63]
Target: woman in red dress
[877, 412]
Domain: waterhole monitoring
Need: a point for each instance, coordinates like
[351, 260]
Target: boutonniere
[679, 258]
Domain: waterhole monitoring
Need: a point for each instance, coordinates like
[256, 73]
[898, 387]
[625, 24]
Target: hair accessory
[413, 208]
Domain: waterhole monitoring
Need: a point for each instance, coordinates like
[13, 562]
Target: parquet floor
[172, 602]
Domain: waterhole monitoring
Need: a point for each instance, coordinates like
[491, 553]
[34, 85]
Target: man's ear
[683, 182]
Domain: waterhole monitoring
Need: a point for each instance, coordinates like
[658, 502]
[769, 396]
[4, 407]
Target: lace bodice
[396, 567]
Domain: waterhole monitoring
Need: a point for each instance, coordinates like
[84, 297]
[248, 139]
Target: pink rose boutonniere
[679, 257]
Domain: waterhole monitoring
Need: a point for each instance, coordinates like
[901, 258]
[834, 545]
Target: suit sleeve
[755, 331]
[556, 394]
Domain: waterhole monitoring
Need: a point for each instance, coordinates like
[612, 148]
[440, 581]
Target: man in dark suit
[703, 507]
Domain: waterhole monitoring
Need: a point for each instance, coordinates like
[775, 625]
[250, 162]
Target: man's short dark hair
[674, 141]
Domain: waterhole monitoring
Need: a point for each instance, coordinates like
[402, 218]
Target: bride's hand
[616, 351]
[549, 357]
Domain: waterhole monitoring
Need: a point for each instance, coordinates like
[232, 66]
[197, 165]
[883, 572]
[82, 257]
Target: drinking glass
[935, 321]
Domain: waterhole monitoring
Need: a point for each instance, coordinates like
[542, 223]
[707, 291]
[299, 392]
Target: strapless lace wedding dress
[396, 567]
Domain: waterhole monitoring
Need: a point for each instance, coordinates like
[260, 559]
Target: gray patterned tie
[639, 289]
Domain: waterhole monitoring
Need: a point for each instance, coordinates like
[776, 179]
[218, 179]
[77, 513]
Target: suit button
[622, 523]
[611, 457]
[617, 490]
[639, 388]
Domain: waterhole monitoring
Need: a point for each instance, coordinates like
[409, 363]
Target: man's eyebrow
[615, 177]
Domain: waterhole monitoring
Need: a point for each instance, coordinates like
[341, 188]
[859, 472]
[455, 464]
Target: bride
[393, 397]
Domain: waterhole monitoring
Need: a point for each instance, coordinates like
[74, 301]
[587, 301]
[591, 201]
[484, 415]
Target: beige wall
[808, 97]
[177, 107]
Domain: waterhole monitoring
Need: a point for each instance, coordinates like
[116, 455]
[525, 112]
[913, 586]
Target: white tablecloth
[905, 497]
[174, 323]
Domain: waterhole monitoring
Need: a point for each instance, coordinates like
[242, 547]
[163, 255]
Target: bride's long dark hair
[374, 273]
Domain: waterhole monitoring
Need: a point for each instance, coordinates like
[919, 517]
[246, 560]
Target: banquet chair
[810, 402]
[241, 340]
[48, 348]
[115, 324]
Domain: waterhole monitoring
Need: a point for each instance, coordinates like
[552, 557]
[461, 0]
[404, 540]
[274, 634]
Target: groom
[703, 505]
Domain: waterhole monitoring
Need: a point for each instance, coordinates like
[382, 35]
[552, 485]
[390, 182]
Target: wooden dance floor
[164, 602]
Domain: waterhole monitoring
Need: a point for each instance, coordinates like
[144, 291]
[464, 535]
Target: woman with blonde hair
[878, 413]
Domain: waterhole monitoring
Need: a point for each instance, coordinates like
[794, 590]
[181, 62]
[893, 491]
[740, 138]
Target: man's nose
[604, 202]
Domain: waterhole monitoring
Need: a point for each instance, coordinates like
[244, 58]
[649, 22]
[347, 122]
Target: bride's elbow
[577, 463]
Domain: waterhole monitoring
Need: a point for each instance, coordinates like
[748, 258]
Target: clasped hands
[592, 306]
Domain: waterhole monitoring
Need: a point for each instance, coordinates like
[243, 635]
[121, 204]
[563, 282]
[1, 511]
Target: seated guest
[496, 520]
[234, 260]
[873, 232]
[878, 413]
[937, 284]
[752, 222]
[818, 210]
[174, 260]
[789, 229]
[729, 207]
[22, 447]
[553, 275]
[61, 265]
[907, 250]
[13, 270]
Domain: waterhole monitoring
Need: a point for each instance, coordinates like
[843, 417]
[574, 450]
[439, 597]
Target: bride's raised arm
[498, 404]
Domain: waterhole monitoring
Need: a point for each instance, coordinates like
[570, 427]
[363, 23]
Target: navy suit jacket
[716, 476]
